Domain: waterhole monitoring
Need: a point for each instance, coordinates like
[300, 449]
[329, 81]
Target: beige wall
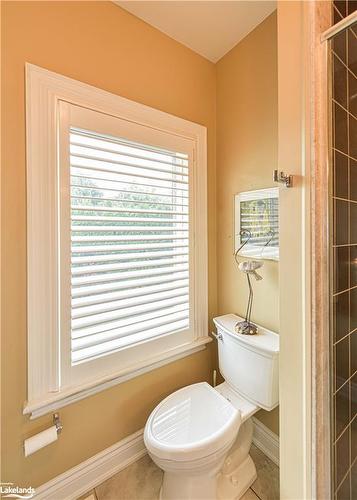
[100, 44]
[247, 148]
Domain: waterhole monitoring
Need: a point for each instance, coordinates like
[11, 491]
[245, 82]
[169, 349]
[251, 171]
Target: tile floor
[142, 481]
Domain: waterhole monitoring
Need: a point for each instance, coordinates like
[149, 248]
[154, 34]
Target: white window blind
[129, 243]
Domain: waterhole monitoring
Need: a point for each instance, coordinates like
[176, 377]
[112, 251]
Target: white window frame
[45, 94]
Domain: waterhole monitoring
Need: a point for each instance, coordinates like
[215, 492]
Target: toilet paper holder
[44, 438]
[57, 423]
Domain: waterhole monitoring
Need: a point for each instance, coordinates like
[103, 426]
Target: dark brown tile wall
[344, 293]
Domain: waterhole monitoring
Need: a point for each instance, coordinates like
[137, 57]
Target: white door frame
[304, 284]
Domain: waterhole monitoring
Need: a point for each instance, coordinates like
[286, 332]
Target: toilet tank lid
[265, 340]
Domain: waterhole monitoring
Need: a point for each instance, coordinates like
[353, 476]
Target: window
[117, 250]
[257, 223]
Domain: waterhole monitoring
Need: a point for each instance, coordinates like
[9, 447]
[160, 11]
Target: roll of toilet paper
[40, 440]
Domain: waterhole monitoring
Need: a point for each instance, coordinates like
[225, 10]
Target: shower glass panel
[343, 201]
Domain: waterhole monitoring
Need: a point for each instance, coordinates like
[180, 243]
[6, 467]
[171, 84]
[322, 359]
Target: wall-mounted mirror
[257, 214]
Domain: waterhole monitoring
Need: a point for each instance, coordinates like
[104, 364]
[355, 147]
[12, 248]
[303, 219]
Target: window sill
[59, 400]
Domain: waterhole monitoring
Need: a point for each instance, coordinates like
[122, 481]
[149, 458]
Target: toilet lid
[191, 423]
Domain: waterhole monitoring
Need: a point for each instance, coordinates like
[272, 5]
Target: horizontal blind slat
[132, 202]
[118, 248]
[133, 176]
[123, 192]
[142, 292]
[161, 220]
[85, 291]
[129, 237]
[129, 183]
[127, 325]
[126, 143]
[126, 256]
[125, 210]
[112, 346]
[130, 155]
[131, 312]
[80, 229]
[137, 169]
[123, 302]
[106, 278]
[103, 268]
[129, 144]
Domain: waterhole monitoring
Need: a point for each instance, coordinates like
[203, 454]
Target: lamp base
[246, 328]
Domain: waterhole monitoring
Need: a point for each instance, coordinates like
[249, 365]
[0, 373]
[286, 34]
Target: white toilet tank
[249, 363]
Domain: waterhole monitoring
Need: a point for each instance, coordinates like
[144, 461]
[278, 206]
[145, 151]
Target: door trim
[304, 264]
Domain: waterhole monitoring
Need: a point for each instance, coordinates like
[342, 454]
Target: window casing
[89, 324]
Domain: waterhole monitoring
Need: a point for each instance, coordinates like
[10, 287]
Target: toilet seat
[191, 423]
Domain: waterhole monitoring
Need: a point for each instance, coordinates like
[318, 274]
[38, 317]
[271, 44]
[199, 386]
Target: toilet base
[194, 487]
[233, 486]
[198, 481]
[238, 472]
[227, 477]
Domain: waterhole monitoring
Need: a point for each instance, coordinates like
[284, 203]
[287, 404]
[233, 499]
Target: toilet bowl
[200, 436]
[188, 435]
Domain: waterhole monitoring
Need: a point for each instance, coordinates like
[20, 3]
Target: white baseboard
[266, 440]
[85, 476]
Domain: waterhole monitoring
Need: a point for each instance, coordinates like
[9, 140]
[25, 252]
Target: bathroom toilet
[200, 436]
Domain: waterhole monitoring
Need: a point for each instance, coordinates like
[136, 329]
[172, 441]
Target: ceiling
[210, 28]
